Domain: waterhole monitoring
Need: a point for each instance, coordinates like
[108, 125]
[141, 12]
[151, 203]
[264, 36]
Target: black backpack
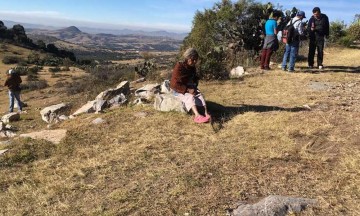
[288, 33]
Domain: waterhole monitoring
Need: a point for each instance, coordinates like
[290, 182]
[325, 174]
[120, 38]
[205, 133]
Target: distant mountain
[129, 42]
[91, 30]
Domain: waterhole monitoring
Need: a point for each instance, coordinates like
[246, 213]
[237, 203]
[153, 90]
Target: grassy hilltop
[264, 141]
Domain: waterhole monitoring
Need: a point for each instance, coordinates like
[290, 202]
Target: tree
[228, 34]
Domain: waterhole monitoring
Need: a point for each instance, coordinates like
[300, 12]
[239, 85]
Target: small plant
[55, 69]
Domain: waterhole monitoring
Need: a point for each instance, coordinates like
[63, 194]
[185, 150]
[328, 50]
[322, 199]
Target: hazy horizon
[148, 15]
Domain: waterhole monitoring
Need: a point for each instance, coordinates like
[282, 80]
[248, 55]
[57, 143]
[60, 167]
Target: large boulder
[94, 106]
[167, 103]
[50, 114]
[10, 117]
[123, 87]
[274, 205]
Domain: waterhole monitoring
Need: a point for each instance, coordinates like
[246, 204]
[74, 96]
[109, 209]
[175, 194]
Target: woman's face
[191, 61]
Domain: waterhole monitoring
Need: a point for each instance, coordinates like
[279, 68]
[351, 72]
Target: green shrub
[346, 41]
[11, 60]
[337, 31]
[354, 30]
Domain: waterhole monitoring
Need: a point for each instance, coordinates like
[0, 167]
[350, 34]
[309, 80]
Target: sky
[148, 15]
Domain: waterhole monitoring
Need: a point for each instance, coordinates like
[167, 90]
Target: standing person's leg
[311, 54]
[320, 51]
[293, 51]
[285, 58]
[11, 101]
[17, 97]
[267, 58]
[262, 58]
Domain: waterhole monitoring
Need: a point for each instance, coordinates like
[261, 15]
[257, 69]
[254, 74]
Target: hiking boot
[291, 70]
[201, 119]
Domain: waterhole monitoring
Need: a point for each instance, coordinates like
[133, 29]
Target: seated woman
[184, 84]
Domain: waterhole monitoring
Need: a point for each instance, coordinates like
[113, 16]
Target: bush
[21, 70]
[354, 30]
[346, 41]
[337, 31]
[55, 69]
[35, 85]
[11, 60]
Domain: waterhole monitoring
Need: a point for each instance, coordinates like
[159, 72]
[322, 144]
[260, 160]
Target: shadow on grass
[221, 114]
[343, 69]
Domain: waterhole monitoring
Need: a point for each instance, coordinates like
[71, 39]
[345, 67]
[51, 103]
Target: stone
[237, 72]
[148, 91]
[3, 151]
[140, 114]
[98, 121]
[50, 114]
[117, 100]
[123, 87]
[274, 205]
[96, 105]
[167, 103]
[165, 87]
[11, 117]
[54, 136]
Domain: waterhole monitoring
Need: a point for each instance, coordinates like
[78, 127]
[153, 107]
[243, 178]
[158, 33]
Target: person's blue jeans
[14, 95]
[291, 51]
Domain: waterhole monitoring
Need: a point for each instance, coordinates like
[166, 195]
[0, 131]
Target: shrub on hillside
[11, 59]
[35, 85]
[55, 69]
[100, 78]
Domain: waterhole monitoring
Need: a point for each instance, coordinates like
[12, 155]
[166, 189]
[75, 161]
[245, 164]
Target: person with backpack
[295, 29]
[271, 42]
[13, 83]
[318, 29]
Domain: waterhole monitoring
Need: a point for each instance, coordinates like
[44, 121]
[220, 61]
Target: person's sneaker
[310, 67]
[283, 69]
[201, 119]
[321, 67]
[291, 70]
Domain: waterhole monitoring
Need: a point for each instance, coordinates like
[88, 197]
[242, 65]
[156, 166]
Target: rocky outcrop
[123, 87]
[10, 117]
[51, 114]
[274, 206]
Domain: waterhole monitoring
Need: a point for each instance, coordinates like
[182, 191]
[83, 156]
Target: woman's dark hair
[277, 13]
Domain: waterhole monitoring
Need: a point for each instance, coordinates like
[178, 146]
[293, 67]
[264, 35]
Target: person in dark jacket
[318, 28]
[13, 83]
[184, 82]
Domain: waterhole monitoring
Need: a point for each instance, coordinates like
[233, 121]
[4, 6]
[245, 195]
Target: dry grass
[264, 143]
